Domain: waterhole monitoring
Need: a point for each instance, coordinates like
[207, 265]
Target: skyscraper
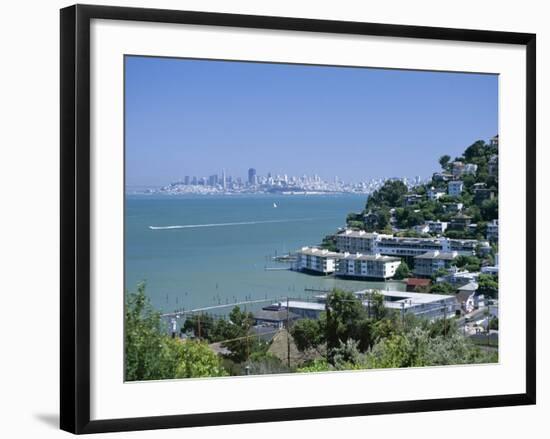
[252, 176]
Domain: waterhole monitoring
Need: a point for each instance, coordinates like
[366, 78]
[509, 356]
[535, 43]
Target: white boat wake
[243, 223]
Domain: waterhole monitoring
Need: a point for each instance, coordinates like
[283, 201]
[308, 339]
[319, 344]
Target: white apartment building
[316, 260]
[455, 188]
[358, 241]
[367, 266]
[372, 243]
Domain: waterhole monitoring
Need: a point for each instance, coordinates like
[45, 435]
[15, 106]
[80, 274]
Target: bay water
[197, 251]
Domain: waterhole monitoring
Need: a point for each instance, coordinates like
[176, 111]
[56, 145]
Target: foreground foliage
[386, 340]
[153, 355]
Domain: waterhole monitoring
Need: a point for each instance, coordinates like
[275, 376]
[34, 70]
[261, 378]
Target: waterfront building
[494, 141]
[359, 241]
[430, 262]
[455, 188]
[186, 180]
[376, 267]
[316, 260]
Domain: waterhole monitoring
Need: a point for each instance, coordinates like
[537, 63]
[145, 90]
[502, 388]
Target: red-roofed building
[414, 282]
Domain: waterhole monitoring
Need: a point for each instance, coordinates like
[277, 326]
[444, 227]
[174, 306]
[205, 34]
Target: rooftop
[314, 251]
[300, 304]
[397, 299]
[418, 282]
[437, 255]
[358, 234]
[274, 315]
[362, 257]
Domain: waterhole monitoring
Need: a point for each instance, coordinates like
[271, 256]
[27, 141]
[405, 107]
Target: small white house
[437, 227]
[434, 194]
[470, 169]
[421, 228]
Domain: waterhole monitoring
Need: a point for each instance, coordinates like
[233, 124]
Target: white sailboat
[274, 205]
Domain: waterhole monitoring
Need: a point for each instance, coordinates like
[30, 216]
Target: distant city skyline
[194, 118]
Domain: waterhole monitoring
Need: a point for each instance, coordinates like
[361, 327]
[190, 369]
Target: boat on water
[274, 205]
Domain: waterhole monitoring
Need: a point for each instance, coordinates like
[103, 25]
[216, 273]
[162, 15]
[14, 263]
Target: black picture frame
[75, 217]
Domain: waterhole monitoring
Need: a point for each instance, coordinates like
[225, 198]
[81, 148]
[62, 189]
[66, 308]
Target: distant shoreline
[242, 194]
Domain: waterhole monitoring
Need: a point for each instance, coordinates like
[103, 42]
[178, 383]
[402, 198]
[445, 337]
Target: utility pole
[368, 301]
[287, 332]
[445, 321]
[199, 325]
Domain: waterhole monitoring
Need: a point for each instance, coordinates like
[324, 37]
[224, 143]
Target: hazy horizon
[197, 117]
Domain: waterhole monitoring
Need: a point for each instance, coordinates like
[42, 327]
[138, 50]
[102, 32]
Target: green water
[213, 260]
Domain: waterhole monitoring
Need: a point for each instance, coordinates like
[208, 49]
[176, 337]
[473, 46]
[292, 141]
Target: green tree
[488, 285]
[307, 334]
[444, 161]
[475, 150]
[489, 209]
[146, 353]
[418, 348]
[377, 309]
[329, 243]
[151, 355]
[403, 271]
[202, 325]
[442, 288]
[319, 365]
[345, 319]
[389, 195]
[195, 359]
[235, 335]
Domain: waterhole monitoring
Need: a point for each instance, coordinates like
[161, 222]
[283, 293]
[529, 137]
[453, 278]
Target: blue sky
[195, 117]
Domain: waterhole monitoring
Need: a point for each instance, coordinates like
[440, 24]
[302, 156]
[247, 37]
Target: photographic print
[288, 218]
